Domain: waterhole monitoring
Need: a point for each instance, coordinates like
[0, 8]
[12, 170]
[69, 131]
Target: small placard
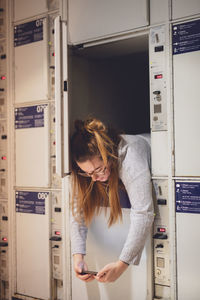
[188, 197]
[31, 202]
[186, 37]
[29, 32]
[29, 117]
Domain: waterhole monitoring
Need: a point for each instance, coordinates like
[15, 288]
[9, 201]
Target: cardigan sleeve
[135, 174]
[78, 236]
[78, 232]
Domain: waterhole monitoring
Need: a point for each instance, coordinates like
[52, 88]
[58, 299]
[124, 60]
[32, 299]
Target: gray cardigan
[134, 171]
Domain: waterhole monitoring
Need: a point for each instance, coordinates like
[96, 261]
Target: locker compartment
[32, 243]
[159, 11]
[25, 9]
[111, 82]
[89, 19]
[186, 98]
[187, 224]
[31, 62]
[184, 8]
[32, 145]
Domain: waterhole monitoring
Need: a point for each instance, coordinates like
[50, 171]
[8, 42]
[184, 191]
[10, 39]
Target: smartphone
[89, 272]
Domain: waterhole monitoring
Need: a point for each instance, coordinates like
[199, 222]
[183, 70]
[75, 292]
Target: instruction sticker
[188, 197]
[29, 32]
[31, 202]
[29, 117]
[186, 37]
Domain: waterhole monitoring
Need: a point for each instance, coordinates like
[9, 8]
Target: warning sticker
[186, 37]
[31, 202]
[29, 32]
[188, 197]
[30, 116]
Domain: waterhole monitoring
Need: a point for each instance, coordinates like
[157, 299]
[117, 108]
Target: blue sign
[188, 197]
[31, 202]
[27, 33]
[186, 37]
[30, 116]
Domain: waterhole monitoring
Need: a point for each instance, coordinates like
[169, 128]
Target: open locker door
[62, 143]
[61, 98]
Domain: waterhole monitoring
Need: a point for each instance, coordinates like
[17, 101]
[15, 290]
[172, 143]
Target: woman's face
[94, 168]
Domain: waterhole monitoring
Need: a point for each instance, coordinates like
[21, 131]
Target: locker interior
[111, 82]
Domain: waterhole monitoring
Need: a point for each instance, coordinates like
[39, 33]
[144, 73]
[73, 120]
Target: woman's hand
[80, 266]
[111, 272]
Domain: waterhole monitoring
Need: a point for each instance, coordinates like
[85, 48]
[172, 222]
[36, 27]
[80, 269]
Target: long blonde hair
[92, 138]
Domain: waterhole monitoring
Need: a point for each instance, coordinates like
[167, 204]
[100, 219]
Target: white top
[134, 171]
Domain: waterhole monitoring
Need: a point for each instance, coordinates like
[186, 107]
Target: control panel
[158, 77]
[55, 178]
[56, 236]
[161, 236]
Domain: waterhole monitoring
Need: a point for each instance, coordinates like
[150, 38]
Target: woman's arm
[78, 246]
[135, 174]
[78, 236]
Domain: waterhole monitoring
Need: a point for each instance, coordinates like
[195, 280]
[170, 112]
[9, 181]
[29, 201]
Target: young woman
[105, 166]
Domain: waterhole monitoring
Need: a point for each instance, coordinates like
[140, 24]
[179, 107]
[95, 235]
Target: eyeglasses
[97, 172]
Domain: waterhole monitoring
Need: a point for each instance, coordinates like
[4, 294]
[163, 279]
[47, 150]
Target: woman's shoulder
[134, 141]
[134, 150]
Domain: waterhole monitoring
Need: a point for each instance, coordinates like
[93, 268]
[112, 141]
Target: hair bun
[94, 125]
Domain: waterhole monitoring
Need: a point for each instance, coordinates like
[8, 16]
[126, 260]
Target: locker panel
[159, 153]
[159, 11]
[57, 236]
[32, 146]
[30, 54]
[186, 64]
[24, 9]
[104, 246]
[91, 19]
[158, 59]
[184, 8]
[32, 244]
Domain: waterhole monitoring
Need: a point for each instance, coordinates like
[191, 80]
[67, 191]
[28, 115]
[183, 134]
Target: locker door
[28, 8]
[184, 8]
[91, 19]
[31, 77]
[187, 225]
[32, 244]
[186, 61]
[32, 150]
